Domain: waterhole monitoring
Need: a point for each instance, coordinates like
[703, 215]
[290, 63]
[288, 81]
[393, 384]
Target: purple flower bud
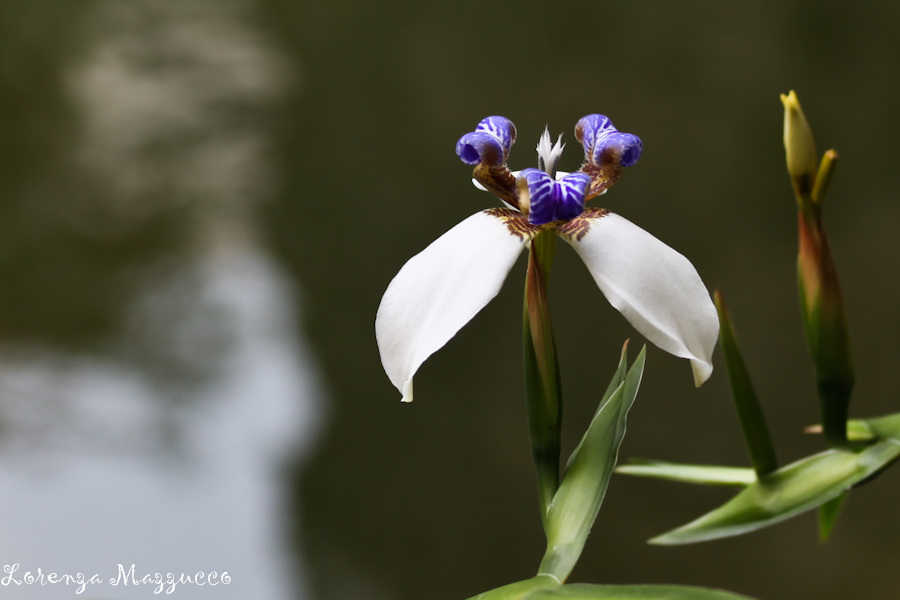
[551, 200]
[489, 143]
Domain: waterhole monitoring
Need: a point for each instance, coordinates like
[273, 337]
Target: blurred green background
[350, 111]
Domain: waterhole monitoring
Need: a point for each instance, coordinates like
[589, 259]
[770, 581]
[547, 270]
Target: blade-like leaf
[828, 514]
[868, 430]
[519, 590]
[616, 381]
[753, 422]
[702, 474]
[578, 500]
[547, 588]
[581, 591]
[887, 427]
[614, 384]
[789, 491]
[858, 431]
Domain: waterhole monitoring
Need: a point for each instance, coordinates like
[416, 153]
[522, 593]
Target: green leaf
[828, 514]
[787, 492]
[547, 588]
[702, 474]
[519, 590]
[887, 427]
[614, 383]
[581, 591]
[859, 431]
[753, 422]
[581, 492]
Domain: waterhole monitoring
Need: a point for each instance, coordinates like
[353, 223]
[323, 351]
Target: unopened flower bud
[799, 145]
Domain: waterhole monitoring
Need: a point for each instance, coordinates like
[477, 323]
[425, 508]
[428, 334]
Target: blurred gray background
[201, 203]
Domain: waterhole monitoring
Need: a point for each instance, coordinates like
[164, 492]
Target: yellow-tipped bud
[799, 145]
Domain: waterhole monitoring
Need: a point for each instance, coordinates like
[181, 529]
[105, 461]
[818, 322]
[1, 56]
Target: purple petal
[603, 143]
[489, 143]
[626, 146]
[540, 193]
[591, 127]
[554, 200]
[501, 128]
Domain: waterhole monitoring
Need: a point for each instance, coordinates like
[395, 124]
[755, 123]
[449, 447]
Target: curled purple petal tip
[631, 149]
[603, 143]
[489, 143]
[477, 147]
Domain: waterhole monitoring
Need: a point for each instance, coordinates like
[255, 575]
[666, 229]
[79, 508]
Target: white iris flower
[440, 289]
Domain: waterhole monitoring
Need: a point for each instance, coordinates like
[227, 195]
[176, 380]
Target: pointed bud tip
[800, 148]
[789, 100]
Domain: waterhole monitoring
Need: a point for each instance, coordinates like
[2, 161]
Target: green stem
[825, 322]
[544, 401]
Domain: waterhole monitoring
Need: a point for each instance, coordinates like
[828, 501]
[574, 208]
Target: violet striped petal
[551, 200]
[501, 128]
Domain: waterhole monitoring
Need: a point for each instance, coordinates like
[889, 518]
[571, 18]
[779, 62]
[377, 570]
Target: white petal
[439, 290]
[654, 287]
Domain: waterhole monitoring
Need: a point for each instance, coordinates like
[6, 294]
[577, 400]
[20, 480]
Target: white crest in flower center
[549, 153]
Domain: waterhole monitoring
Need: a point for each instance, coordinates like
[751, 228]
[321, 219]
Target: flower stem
[825, 322]
[544, 400]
